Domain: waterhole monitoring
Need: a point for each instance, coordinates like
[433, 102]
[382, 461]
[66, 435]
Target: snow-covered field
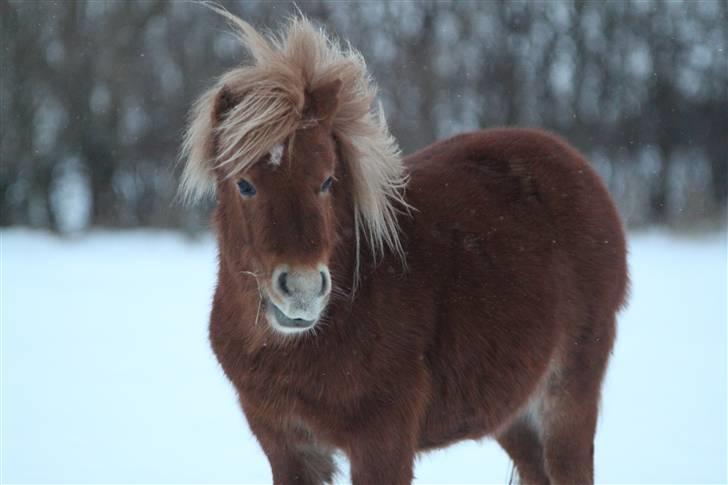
[107, 375]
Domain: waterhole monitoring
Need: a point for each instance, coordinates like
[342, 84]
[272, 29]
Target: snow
[107, 375]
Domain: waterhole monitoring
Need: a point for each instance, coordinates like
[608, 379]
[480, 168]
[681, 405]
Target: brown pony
[386, 306]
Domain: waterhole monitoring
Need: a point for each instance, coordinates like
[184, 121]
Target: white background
[107, 375]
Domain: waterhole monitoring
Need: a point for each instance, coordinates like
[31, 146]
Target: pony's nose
[325, 284]
[302, 284]
[283, 283]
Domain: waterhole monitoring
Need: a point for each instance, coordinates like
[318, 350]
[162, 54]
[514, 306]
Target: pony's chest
[324, 401]
[295, 383]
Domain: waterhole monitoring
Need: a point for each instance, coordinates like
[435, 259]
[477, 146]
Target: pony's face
[334, 175]
[281, 210]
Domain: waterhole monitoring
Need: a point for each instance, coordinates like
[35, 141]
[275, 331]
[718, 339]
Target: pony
[382, 305]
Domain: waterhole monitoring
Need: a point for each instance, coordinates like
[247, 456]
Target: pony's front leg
[383, 454]
[295, 457]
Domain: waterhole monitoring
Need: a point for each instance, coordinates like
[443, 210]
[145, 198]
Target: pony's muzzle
[299, 294]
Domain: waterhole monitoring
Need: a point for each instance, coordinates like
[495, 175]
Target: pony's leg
[382, 451]
[521, 442]
[387, 462]
[294, 455]
[382, 443]
[568, 415]
[569, 441]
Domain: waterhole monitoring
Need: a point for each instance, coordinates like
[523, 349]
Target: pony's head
[295, 152]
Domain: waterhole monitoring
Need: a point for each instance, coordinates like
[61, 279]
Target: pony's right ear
[322, 103]
[199, 148]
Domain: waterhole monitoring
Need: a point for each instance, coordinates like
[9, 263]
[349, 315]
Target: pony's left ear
[322, 103]
[199, 149]
[225, 100]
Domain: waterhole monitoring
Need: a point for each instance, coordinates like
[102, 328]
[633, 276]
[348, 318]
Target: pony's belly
[470, 402]
[447, 422]
[441, 431]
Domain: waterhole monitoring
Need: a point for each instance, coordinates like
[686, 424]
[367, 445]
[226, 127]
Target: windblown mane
[271, 92]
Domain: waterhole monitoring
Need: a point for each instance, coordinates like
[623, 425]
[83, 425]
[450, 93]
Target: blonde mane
[271, 92]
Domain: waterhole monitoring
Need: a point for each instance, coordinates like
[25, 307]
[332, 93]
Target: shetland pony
[384, 306]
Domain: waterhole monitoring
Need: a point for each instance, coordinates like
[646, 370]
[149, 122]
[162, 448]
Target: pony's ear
[199, 149]
[225, 100]
[323, 102]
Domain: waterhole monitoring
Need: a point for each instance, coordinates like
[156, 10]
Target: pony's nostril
[324, 282]
[283, 283]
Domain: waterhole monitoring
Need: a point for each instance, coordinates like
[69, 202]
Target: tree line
[94, 95]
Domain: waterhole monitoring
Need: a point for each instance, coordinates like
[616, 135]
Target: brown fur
[500, 323]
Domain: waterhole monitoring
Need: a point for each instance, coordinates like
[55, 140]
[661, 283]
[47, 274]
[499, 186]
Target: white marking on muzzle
[299, 297]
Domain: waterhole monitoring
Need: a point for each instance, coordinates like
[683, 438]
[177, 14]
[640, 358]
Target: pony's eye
[246, 188]
[326, 186]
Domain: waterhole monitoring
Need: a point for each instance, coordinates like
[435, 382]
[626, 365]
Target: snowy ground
[107, 375]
